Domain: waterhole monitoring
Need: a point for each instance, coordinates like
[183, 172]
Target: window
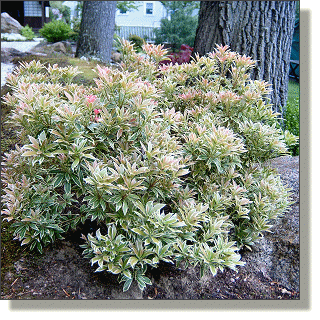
[149, 8]
[32, 9]
[122, 11]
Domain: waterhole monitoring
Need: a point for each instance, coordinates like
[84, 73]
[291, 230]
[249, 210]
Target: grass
[86, 67]
[292, 113]
[293, 91]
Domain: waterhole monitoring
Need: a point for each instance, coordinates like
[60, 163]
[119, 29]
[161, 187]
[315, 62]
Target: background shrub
[27, 32]
[181, 27]
[183, 56]
[137, 41]
[59, 11]
[55, 31]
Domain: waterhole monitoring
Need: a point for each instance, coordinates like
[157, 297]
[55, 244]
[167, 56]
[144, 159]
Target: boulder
[116, 57]
[8, 24]
[62, 47]
[8, 53]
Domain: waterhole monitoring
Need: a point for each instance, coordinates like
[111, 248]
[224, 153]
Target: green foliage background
[181, 27]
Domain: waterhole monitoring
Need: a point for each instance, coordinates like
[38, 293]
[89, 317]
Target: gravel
[22, 46]
[6, 68]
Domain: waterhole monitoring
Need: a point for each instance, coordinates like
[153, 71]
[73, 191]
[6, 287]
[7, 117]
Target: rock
[58, 47]
[276, 256]
[116, 57]
[62, 47]
[8, 53]
[8, 24]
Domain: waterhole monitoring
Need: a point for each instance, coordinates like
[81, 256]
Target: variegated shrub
[168, 161]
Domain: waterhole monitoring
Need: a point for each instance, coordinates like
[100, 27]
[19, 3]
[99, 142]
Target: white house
[142, 21]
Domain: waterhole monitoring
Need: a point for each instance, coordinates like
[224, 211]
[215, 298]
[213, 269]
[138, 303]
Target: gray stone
[116, 57]
[8, 53]
[8, 24]
[277, 254]
[61, 47]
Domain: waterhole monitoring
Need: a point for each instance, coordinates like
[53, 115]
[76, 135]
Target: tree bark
[262, 30]
[97, 29]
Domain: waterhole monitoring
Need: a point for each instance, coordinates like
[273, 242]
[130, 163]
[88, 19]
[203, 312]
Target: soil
[62, 273]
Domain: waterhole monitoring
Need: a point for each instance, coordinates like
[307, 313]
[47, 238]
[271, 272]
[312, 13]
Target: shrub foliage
[167, 159]
[56, 31]
[27, 32]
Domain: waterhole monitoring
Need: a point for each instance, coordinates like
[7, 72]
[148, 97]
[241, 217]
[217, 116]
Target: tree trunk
[262, 30]
[97, 29]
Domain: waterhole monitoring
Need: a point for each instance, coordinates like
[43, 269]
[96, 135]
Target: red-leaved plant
[183, 56]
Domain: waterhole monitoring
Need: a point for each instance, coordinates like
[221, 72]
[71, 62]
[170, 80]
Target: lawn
[293, 91]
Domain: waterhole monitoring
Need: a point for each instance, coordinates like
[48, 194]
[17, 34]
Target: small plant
[169, 160]
[183, 56]
[55, 31]
[137, 41]
[27, 32]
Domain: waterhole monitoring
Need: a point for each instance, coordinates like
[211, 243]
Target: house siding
[139, 22]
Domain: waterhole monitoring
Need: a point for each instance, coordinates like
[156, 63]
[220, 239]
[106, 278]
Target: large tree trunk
[262, 30]
[97, 29]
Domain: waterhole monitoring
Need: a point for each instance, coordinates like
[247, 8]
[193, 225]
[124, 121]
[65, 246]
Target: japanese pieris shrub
[168, 160]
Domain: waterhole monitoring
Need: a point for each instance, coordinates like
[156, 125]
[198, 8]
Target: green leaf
[127, 285]
[26, 241]
[146, 280]
[76, 180]
[75, 163]
[127, 273]
[103, 204]
[57, 180]
[138, 231]
[67, 187]
[124, 207]
[133, 261]
[29, 153]
[112, 232]
[213, 270]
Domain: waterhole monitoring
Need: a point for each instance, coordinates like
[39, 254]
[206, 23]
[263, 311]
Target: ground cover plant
[167, 159]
